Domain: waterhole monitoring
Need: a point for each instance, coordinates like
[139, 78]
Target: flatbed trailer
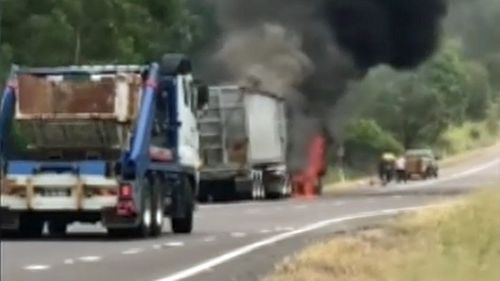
[115, 144]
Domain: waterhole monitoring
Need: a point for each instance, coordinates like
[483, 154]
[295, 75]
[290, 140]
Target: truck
[115, 144]
[243, 144]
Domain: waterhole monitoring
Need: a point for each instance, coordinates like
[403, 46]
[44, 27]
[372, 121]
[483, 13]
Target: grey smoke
[309, 51]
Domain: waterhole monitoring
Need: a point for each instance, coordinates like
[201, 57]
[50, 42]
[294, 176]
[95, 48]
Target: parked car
[422, 163]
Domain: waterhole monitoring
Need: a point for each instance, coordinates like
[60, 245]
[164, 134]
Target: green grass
[460, 242]
[469, 136]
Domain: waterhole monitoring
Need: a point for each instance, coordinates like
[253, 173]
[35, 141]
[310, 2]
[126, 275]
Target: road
[234, 241]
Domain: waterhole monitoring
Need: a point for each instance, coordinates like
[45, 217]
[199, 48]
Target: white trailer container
[243, 145]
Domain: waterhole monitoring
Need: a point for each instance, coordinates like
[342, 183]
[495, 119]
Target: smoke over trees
[310, 50]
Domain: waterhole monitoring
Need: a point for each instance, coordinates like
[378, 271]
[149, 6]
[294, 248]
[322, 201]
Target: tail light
[125, 192]
[126, 206]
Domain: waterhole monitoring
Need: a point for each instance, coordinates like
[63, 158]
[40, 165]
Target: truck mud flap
[111, 219]
[9, 219]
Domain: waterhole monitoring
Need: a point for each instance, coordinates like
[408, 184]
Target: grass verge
[456, 243]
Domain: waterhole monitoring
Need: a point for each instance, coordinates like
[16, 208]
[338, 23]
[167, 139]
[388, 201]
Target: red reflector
[160, 154]
[126, 191]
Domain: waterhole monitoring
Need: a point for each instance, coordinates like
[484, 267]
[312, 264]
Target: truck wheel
[146, 221]
[145, 217]
[158, 201]
[30, 227]
[57, 228]
[184, 224]
[173, 64]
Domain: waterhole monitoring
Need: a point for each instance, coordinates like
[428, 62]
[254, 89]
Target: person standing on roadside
[401, 169]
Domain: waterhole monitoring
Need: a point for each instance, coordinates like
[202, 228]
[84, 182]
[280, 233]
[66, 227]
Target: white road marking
[264, 231]
[238, 234]
[174, 244]
[157, 246]
[209, 239]
[252, 211]
[90, 258]
[69, 261]
[36, 267]
[288, 228]
[132, 251]
[189, 272]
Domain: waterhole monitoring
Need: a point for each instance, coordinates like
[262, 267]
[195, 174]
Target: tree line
[399, 110]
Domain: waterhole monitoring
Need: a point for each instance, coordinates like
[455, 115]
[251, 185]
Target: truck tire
[184, 224]
[30, 227]
[158, 201]
[174, 64]
[57, 228]
[143, 229]
[204, 194]
[146, 221]
[276, 188]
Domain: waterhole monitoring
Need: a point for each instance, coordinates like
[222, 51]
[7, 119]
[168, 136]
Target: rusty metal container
[57, 113]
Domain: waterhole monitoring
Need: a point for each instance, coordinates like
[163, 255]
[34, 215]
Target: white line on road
[36, 267]
[174, 244]
[133, 251]
[90, 258]
[209, 239]
[69, 261]
[252, 211]
[238, 234]
[269, 241]
[157, 246]
[265, 231]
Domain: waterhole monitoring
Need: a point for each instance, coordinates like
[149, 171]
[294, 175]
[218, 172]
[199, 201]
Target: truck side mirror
[202, 96]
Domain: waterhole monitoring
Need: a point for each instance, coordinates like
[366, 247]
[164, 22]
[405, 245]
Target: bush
[365, 141]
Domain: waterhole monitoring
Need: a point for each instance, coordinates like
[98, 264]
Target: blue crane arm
[137, 160]
[7, 107]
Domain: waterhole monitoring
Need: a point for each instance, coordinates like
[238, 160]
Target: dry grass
[458, 243]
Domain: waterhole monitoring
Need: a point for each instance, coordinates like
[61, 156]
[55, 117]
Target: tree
[479, 90]
[59, 32]
[416, 107]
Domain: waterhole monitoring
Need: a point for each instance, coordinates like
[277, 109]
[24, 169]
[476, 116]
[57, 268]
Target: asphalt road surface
[240, 241]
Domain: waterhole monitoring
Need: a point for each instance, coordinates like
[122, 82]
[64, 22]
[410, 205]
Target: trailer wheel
[57, 228]
[30, 227]
[158, 201]
[184, 224]
[173, 64]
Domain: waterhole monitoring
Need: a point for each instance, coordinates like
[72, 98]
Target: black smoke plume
[309, 50]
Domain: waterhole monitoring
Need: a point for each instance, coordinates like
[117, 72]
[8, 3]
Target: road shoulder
[423, 245]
